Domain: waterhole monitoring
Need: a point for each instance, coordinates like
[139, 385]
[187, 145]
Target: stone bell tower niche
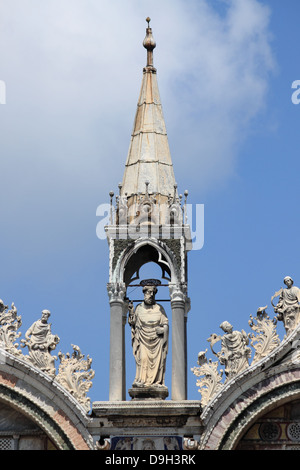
[148, 223]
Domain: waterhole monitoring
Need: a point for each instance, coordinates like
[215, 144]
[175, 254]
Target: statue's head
[226, 327]
[45, 315]
[149, 294]
[288, 281]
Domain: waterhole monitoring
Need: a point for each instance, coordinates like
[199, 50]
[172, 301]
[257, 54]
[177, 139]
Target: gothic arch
[261, 407]
[35, 414]
[243, 405]
[42, 401]
[142, 251]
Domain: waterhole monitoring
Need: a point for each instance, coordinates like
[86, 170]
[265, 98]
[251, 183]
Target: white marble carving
[10, 322]
[75, 375]
[74, 372]
[210, 381]
[235, 352]
[40, 342]
[288, 308]
[264, 339]
[149, 328]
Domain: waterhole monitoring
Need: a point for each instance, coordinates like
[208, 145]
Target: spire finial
[149, 44]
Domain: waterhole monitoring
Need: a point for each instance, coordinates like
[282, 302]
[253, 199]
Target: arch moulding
[237, 415]
[167, 259]
[43, 401]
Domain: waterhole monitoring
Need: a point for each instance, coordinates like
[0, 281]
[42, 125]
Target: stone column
[179, 368]
[117, 384]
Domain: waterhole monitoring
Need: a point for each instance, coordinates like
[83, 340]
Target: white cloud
[223, 64]
[73, 70]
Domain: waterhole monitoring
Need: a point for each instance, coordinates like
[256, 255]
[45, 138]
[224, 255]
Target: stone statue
[235, 353]
[288, 308]
[40, 342]
[149, 331]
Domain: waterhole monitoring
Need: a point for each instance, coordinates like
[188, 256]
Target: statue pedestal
[151, 392]
[146, 424]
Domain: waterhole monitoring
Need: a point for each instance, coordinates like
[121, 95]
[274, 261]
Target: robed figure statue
[149, 331]
[288, 307]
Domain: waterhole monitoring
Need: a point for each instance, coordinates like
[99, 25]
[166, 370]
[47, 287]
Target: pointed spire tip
[149, 44]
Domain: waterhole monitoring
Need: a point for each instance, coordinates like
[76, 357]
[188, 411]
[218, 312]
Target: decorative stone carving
[178, 292]
[74, 372]
[149, 421]
[166, 443]
[122, 208]
[210, 384]
[40, 342]
[75, 375]
[116, 292]
[175, 209]
[145, 209]
[287, 308]
[235, 353]
[269, 431]
[149, 330]
[293, 431]
[10, 322]
[265, 339]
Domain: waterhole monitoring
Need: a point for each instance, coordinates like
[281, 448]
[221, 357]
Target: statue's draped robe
[288, 308]
[40, 342]
[235, 353]
[288, 298]
[149, 348]
[40, 335]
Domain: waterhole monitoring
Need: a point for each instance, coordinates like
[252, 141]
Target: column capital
[178, 292]
[116, 292]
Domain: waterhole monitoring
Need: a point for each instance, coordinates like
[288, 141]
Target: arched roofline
[45, 402]
[258, 383]
[263, 405]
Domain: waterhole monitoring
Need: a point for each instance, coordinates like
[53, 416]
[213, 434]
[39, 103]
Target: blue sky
[73, 72]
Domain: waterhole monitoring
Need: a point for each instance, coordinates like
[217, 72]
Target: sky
[70, 72]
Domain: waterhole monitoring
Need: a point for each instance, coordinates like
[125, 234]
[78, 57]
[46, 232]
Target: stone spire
[148, 225]
[149, 168]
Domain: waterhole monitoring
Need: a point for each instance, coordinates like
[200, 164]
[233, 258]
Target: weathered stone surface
[129, 425]
[149, 332]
